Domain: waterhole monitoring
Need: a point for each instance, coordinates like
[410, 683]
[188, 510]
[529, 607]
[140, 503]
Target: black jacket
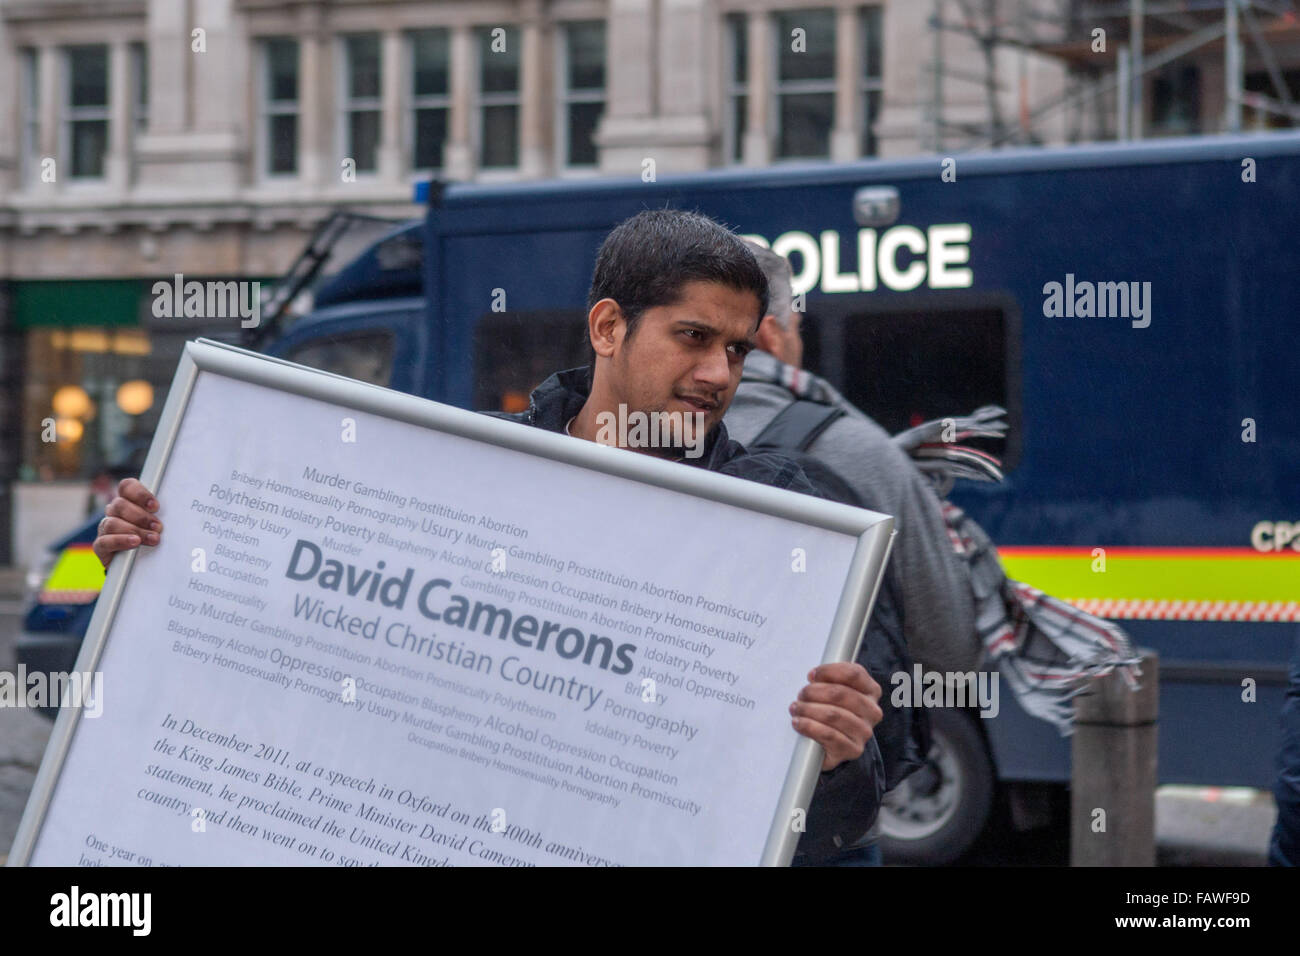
[847, 799]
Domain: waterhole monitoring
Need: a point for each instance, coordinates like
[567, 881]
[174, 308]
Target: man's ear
[770, 336]
[605, 326]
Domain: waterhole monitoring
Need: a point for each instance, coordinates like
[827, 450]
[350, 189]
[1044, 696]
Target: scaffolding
[1116, 58]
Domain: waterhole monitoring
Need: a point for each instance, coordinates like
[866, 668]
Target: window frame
[735, 92]
[782, 88]
[568, 97]
[139, 53]
[830, 315]
[72, 115]
[29, 115]
[268, 108]
[1170, 91]
[484, 100]
[425, 101]
[348, 105]
[870, 86]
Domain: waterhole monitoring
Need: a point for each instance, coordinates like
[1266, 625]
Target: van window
[920, 359]
[514, 352]
[367, 356]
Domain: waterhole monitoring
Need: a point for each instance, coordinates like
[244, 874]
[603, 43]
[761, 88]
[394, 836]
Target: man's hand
[128, 520]
[838, 708]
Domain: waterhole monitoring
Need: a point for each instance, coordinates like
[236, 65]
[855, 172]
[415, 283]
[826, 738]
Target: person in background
[926, 583]
[103, 487]
[938, 610]
[1284, 847]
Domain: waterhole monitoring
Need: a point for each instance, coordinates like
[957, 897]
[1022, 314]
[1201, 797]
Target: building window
[31, 111]
[140, 90]
[280, 107]
[361, 104]
[737, 80]
[872, 82]
[75, 380]
[1260, 117]
[498, 97]
[805, 83]
[582, 98]
[1176, 101]
[430, 97]
[86, 119]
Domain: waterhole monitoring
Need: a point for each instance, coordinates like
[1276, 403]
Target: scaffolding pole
[1232, 68]
[1136, 86]
[937, 99]
[1125, 88]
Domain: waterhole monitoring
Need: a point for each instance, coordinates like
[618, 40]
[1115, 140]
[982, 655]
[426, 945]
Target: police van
[1132, 306]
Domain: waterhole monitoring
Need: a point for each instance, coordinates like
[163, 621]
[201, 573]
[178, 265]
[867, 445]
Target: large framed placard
[381, 630]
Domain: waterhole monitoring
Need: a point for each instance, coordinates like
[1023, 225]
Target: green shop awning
[65, 303]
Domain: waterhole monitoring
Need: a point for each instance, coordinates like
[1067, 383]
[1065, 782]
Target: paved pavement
[1213, 826]
[22, 741]
[23, 734]
[1194, 826]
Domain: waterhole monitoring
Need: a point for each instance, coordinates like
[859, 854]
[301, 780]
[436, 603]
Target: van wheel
[937, 812]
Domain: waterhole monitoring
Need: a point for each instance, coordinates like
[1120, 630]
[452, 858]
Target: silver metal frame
[873, 531]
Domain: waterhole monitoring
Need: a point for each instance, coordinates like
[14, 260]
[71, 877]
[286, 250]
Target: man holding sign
[674, 308]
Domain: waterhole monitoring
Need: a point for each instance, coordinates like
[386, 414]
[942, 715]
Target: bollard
[1113, 771]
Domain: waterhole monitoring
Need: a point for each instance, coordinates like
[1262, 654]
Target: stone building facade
[140, 139]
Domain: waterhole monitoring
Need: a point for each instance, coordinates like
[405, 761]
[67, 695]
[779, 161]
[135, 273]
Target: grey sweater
[938, 607]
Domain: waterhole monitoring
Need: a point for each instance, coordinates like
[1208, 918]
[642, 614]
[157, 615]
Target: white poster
[364, 642]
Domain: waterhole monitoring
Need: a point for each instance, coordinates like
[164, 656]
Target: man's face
[687, 357]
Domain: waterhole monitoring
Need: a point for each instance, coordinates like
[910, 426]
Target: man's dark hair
[646, 260]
